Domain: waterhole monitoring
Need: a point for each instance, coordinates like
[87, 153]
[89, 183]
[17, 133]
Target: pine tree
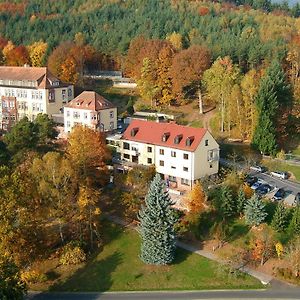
[157, 225]
[227, 203]
[295, 222]
[254, 211]
[273, 93]
[241, 200]
[279, 221]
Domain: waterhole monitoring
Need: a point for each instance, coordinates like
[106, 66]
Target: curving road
[290, 293]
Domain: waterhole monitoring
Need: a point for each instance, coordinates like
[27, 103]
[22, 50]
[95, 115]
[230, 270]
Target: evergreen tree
[241, 201]
[273, 93]
[295, 222]
[254, 211]
[157, 225]
[227, 203]
[279, 221]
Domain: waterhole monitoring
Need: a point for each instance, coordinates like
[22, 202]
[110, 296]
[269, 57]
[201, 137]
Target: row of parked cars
[262, 188]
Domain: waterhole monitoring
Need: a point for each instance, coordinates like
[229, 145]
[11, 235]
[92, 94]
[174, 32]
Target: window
[173, 153]
[172, 179]
[185, 169]
[206, 142]
[149, 149]
[126, 146]
[111, 125]
[185, 181]
[126, 156]
[149, 160]
[68, 124]
[51, 96]
[76, 115]
[69, 92]
[85, 115]
[161, 163]
[210, 165]
[63, 94]
[185, 156]
[68, 113]
[172, 167]
[161, 151]
[111, 114]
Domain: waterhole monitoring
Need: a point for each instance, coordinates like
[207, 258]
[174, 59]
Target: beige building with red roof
[34, 90]
[92, 110]
[180, 154]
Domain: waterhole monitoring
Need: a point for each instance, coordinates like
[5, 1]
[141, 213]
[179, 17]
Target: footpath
[264, 278]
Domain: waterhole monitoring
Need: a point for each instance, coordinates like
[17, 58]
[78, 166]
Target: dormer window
[177, 139]
[189, 141]
[134, 131]
[165, 136]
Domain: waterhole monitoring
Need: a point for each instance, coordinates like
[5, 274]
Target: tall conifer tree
[157, 225]
[273, 93]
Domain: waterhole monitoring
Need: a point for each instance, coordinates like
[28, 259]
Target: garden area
[117, 267]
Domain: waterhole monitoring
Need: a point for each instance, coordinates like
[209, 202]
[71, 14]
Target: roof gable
[90, 100]
[165, 134]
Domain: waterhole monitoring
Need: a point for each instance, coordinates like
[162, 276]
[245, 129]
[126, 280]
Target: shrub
[33, 276]
[72, 255]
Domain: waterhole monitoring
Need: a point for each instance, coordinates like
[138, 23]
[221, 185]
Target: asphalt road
[290, 293]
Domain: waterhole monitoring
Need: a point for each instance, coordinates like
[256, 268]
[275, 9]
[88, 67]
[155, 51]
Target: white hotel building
[28, 91]
[180, 154]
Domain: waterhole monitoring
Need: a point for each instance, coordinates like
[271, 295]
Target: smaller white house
[92, 110]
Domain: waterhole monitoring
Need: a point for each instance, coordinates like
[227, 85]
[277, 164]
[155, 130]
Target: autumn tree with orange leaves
[88, 152]
[187, 71]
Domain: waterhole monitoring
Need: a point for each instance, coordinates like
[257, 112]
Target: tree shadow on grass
[181, 255]
[94, 276]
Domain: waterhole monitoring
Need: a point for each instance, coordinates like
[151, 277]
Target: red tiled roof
[152, 132]
[90, 100]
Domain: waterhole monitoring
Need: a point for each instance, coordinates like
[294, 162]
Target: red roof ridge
[151, 132]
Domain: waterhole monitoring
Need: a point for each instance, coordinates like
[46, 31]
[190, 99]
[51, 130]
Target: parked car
[258, 168]
[282, 175]
[263, 189]
[279, 195]
[256, 185]
[251, 180]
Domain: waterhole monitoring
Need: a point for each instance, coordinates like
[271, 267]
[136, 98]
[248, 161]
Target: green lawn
[117, 267]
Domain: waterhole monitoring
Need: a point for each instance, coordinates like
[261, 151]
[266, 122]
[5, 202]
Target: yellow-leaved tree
[87, 151]
[37, 53]
[197, 199]
[87, 214]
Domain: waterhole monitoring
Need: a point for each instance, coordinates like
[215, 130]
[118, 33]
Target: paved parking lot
[291, 187]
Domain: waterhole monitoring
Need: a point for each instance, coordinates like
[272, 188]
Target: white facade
[104, 120]
[179, 167]
[32, 101]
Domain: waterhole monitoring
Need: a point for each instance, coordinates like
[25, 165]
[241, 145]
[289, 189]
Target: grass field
[117, 267]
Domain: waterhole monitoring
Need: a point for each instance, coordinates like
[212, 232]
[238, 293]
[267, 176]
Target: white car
[282, 175]
[258, 168]
[256, 185]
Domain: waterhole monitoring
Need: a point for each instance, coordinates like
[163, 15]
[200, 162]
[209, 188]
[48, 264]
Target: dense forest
[222, 53]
